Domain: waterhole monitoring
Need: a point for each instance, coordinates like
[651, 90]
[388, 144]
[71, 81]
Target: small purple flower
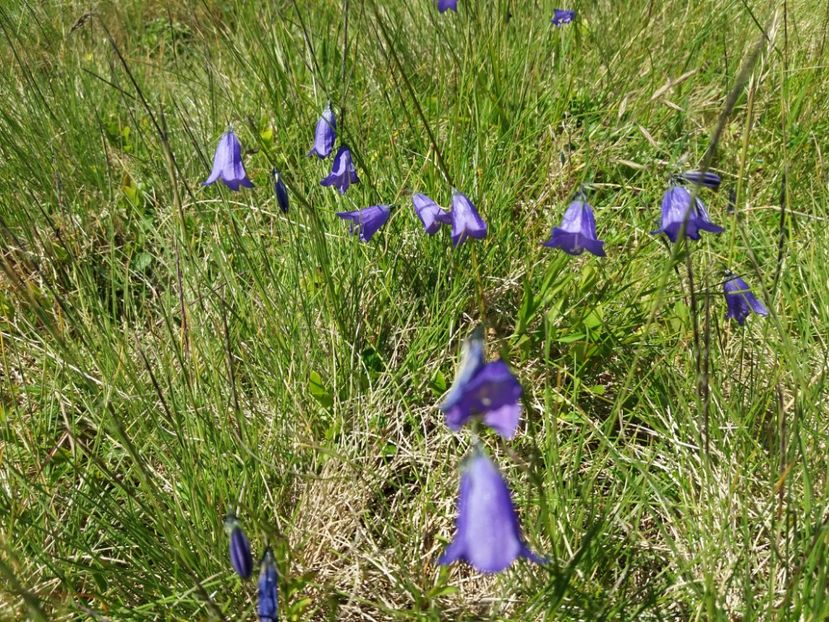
[466, 222]
[486, 390]
[740, 300]
[267, 605]
[707, 179]
[430, 213]
[677, 209]
[444, 5]
[367, 220]
[239, 547]
[227, 163]
[280, 190]
[343, 173]
[563, 16]
[488, 535]
[578, 230]
[324, 134]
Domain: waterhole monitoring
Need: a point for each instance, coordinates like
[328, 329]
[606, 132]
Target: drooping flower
[324, 134]
[578, 230]
[444, 5]
[486, 390]
[367, 220]
[227, 163]
[563, 16]
[343, 173]
[430, 213]
[707, 179]
[239, 547]
[488, 535]
[677, 209]
[466, 222]
[267, 607]
[740, 300]
[280, 190]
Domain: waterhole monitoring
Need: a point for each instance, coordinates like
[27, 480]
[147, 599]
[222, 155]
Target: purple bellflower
[707, 179]
[324, 134]
[227, 163]
[367, 220]
[488, 390]
[267, 604]
[488, 535]
[445, 5]
[677, 209]
[563, 16]
[430, 213]
[343, 173]
[466, 222]
[239, 547]
[280, 190]
[740, 300]
[578, 230]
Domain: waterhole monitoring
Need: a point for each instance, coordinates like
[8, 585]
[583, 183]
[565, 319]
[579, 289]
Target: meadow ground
[171, 351]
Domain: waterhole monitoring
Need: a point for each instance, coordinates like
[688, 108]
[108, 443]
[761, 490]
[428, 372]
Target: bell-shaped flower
[486, 390]
[740, 300]
[466, 222]
[325, 134]
[679, 211]
[577, 232]
[366, 221]
[430, 213]
[563, 16]
[227, 163]
[488, 535]
[239, 547]
[707, 179]
[267, 606]
[445, 5]
[343, 173]
[280, 191]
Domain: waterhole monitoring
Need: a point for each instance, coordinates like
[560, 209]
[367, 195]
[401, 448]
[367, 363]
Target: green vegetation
[170, 352]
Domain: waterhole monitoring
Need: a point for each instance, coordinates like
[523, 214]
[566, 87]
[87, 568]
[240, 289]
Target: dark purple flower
[488, 535]
[707, 179]
[466, 222]
[367, 220]
[486, 390]
[563, 16]
[741, 302]
[343, 173]
[430, 213]
[324, 134]
[677, 209]
[578, 230]
[280, 190]
[444, 5]
[267, 605]
[227, 163]
[239, 547]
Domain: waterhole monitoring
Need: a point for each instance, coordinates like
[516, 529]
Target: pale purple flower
[466, 222]
[488, 535]
[430, 213]
[324, 134]
[563, 16]
[740, 300]
[267, 602]
[239, 548]
[343, 173]
[578, 230]
[367, 220]
[677, 209]
[444, 5]
[707, 179]
[280, 191]
[227, 163]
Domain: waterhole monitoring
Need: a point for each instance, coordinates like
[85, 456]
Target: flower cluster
[242, 562]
